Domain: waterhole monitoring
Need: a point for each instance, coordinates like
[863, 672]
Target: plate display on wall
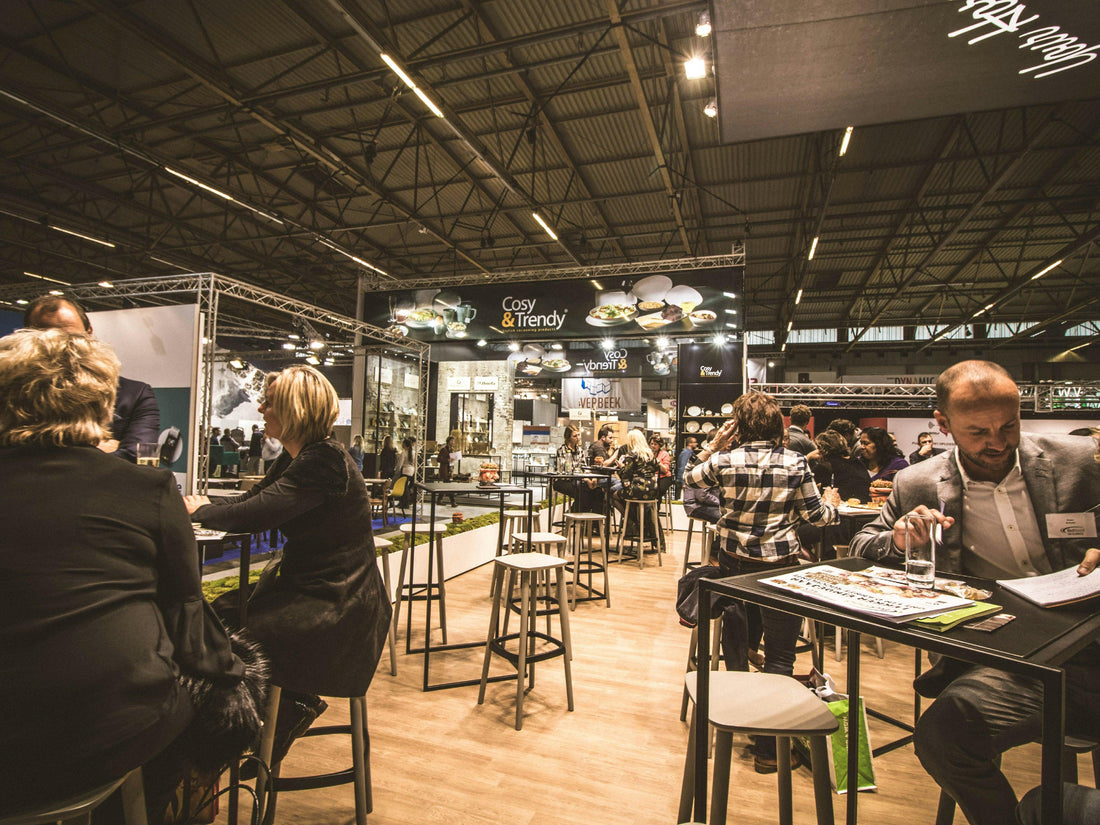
[707, 427]
[694, 410]
[727, 409]
[691, 427]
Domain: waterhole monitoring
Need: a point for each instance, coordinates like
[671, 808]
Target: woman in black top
[638, 471]
[322, 614]
[836, 468]
[387, 459]
[101, 610]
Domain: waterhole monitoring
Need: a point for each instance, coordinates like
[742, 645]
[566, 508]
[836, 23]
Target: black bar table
[1035, 645]
[433, 490]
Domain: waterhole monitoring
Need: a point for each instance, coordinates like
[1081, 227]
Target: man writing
[924, 449]
[137, 416]
[998, 495]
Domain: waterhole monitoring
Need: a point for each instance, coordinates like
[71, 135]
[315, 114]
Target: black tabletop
[468, 487]
[1038, 635]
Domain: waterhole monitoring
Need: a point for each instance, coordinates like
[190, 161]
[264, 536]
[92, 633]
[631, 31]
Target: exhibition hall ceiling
[308, 146]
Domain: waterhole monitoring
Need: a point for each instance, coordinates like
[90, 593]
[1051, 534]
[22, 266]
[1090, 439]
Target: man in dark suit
[924, 449]
[999, 497]
[137, 416]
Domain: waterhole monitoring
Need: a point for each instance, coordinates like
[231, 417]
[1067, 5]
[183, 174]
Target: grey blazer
[1061, 477]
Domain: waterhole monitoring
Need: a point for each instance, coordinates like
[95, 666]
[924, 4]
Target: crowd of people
[111, 579]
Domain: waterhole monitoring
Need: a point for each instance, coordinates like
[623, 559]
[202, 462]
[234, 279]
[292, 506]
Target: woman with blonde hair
[322, 613]
[638, 471]
[102, 619]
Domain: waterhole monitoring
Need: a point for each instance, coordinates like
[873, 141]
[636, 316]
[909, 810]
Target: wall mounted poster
[701, 300]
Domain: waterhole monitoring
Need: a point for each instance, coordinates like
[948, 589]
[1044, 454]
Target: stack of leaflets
[876, 591]
[1055, 589]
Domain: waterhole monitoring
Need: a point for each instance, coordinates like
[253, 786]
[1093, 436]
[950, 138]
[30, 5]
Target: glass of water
[920, 550]
[148, 454]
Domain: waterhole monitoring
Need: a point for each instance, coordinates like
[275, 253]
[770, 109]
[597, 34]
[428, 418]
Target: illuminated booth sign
[702, 301]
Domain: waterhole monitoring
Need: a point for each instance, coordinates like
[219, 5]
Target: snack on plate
[880, 490]
[962, 590]
[852, 502]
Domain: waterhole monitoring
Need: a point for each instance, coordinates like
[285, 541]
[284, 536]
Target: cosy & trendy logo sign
[519, 315]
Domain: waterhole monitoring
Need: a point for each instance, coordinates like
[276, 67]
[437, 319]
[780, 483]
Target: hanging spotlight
[236, 363]
[370, 152]
[711, 109]
[313, 360]
[702, 28]
[695, 68]
[607, 343]
[287, 345]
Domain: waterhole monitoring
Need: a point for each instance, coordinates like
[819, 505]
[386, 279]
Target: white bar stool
[705, 529]
[765, 704]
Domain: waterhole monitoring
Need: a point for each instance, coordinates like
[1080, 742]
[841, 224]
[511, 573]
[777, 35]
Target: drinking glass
[920, 550]
[148, 453]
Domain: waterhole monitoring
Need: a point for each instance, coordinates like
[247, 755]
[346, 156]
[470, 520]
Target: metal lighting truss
[1084, 395]
[620, 270]
[207, 289]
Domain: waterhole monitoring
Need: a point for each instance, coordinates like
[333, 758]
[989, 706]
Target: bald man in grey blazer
[998, 496]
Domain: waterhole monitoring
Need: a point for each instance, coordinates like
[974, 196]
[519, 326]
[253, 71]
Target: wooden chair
[379, 498]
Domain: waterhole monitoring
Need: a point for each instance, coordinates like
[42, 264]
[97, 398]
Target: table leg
[428, 599]
[853, 727]
[1054, 721]
[702, 702]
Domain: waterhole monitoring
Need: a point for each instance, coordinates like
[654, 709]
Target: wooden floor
[439, 757]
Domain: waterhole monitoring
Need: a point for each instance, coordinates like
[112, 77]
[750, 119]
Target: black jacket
[136, 419]
[323, 618]
[100, 611]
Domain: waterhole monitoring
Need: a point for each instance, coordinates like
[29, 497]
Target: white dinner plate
[691, 427]
[694, 410]
[727, 409]
[707, 427]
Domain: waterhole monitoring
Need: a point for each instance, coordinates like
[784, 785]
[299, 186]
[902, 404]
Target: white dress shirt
[1001, 538]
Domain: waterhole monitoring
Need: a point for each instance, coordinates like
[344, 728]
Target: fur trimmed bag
[228, 718]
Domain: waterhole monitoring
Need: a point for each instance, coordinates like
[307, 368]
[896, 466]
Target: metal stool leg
[687, 547]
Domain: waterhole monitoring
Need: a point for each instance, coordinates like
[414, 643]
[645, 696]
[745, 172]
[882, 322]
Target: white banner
[602, 394]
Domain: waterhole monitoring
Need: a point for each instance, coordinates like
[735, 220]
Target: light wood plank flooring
[439, 757]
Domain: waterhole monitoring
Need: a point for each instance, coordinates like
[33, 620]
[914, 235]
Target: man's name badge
[1071, 525]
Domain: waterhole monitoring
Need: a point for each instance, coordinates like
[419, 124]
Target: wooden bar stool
[358, 773]
[533, 570]
[515, 522]
[581, 529]
[765, 704]
[646, 510]
[77, 810]
[705, 531]
[386, 547]
[412, 590]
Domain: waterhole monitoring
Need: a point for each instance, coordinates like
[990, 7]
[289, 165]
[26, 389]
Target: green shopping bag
[837, 747]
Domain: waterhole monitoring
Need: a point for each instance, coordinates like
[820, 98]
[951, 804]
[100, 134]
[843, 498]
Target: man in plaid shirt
[766, 492]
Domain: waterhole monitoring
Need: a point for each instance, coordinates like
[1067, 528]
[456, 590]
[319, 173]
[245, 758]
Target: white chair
[77, 810]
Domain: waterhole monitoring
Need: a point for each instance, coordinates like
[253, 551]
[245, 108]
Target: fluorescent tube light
[1045, 270]
[46, 278]
[813, 249]
[544, 225]
[85, 237]
[397, 70]
[798, 298]
[847, 139]
[790, 324]
[427, 101]
[197, 183]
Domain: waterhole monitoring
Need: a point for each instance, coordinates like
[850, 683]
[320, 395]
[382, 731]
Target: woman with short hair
[101, 609]
[321, 613]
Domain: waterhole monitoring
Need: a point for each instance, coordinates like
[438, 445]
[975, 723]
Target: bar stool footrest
[497, 645]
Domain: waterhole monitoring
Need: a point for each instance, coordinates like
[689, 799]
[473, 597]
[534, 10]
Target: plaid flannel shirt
[766, 492]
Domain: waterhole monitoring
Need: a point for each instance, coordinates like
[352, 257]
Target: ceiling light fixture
[288, 345]
[719, 338]
[313, 359]
[798, 298]
[596, 284]
[695, 68]
[844, 142]
[236, 363]
[22, 301]
[790, 324]
[397, 70]
[46, 278]
[358, 260]
[607, 343]
[513, 346]
[556, 347]
[730, 294]
[813, 249]
[198, 183]
[784, 347]
[1042, 271]
[544, 225]
[106, 285]
[99, 241]
[730, 311]
[702, 28]
[482, 342]
[662, 342]
[711, 109]
[56, 292]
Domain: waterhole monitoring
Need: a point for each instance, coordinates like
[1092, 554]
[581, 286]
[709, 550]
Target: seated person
[980, 711]
[703, 502]
[880, 454]
[637, 471]
[585, 492]
[322, 612]
[101, 609]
